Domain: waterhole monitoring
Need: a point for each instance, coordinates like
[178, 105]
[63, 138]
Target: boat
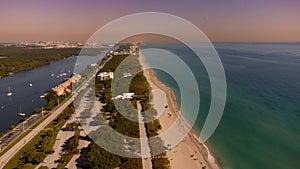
[30, 84]
[52, 74]
[43, 96]
[9, 92]
[62, 72]
[22, 114]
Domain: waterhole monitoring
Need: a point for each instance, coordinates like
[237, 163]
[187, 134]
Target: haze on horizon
[77, 20]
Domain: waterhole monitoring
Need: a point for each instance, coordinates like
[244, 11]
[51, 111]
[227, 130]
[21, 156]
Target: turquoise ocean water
[261, 123]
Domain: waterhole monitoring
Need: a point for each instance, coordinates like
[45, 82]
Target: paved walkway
[77, 159]
[145, 149]
[52, 160]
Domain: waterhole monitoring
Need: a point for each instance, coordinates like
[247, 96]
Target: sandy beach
[189, 153]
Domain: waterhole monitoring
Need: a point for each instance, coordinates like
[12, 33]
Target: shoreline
[188, 147]
[35, 67]
[22, 52]
[17, 73]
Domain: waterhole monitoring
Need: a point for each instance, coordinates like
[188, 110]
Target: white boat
[52, 74]
[30, 84]
[21, 113]
[63, 74]
[42, 96]
[9, 92]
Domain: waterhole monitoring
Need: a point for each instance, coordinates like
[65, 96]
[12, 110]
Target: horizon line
[2, 42]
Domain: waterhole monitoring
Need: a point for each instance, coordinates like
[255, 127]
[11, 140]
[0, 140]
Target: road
[4, 159]
[145, 149]
[12, 135]
[12, 151]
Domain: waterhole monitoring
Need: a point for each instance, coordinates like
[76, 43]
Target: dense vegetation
[37, 149]
[54, 100]
[71, 126]
[20, 59]
[43, 167]
[98, 157]
[69, 150]
[113, 63]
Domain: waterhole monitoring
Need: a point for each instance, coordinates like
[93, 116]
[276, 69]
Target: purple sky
[220, 20]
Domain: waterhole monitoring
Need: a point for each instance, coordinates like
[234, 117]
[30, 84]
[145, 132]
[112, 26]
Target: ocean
[260, 125]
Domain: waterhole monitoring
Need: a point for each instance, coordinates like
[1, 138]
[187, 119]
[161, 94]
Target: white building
[127, 95]
[124, 96]
[117, 97]
[126, 75]
[106, 75]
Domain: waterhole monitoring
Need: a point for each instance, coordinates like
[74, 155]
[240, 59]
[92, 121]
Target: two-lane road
[12, 151]
[4, 159]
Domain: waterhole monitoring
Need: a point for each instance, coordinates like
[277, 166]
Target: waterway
[26, 98]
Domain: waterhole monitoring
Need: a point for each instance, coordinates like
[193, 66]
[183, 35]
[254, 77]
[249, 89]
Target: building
[123, 96]
[126, 75]
[106, 75]
[122, 52]
[62, 88]
[127, 95]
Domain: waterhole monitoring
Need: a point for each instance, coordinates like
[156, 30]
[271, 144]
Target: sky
[220, 20]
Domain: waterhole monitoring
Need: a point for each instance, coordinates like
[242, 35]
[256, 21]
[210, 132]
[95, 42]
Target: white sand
[189, 153]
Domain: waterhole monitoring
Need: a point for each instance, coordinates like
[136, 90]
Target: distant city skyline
[221, 21]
